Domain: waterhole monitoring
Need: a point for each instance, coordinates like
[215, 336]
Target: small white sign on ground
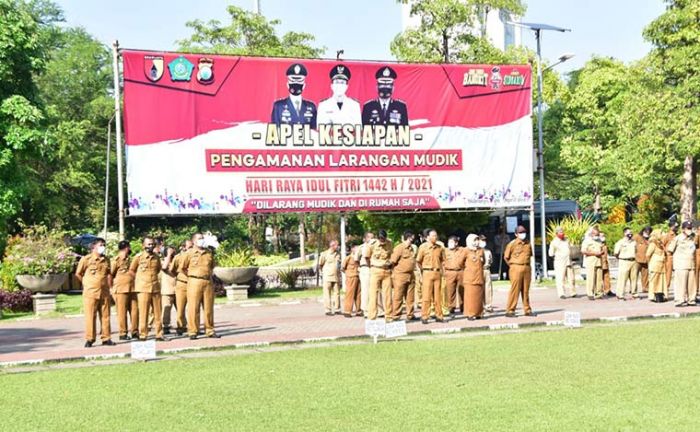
[572, 319]
[375, 328]
[396, 329]
[143, 350]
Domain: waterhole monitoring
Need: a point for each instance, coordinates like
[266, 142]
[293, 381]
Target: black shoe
[124, 337]
[88, 344]
[142, 339]
[510, 314]
[440, 320]
[471, 318]
[108, 342]
[134, 335]
[347, 315]
[214, 336]
[424, 321]
[591, 298]
[179, 332]
[193, 337]
[166, 331]
[161, 339]
[562, 297]
[530, 314]
[574, 296]
[329, 313]
[411, 318]
[611, 294]
[684, 304]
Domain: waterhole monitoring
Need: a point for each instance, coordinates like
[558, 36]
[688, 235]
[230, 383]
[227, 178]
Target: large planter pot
[235, 275]
[575, 252]
[49, 283]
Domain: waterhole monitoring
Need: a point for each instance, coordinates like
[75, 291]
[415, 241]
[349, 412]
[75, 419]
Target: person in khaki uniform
[351, 269]
[168, 288]
[667, 239]
[198, 265]
[123, 292]
[560, 250]
[454, 260]
[417, 284]
[605, 267]
[656, 257]
[329, 263]
[641, 269]
[488, 283]
[472, 261]
[431, 259]
[592, 250]
[403, 260]
[363, 260]
[626, 253]
[145, 268]
[517, 255]
[93, 272]
[180, 287]
[379, 254]
[683, 249]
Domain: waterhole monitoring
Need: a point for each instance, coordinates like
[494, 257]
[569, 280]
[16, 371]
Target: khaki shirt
[591, 246]
[167, 282]
[560, 250]
[642, 245]
[95, 272]
[626, 249]
[431, 256]
[362, 255]
[351, 267]
[198, 264]
[122, 281]
[518, 252]
[488, 259]
[176, 267]
[604, 264]
[683, 249]
[656, 257]
[666, 240]
[473, 263]
[404, 258]
[454, 258]
[330, 263]
[379, 254]
[146, 267]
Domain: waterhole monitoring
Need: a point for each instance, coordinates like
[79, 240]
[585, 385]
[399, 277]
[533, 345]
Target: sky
[364, 29]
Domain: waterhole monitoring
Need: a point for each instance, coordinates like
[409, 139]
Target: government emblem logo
[153, 67]
[180, 69]
[205, 71]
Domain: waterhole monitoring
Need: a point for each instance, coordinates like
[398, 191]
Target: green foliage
[269, 260]
[242, 257]
[289, 277]
[574, 228]
[248, 34]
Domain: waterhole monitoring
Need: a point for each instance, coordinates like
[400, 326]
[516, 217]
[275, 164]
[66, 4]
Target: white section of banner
[170, 178]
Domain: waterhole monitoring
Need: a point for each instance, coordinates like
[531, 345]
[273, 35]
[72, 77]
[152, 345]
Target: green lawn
[637, 376]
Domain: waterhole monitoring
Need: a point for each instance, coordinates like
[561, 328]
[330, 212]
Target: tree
[248, 33]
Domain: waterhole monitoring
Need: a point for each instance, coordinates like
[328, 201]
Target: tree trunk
[596, 201]
[302, 240]
[445, 46]
[689, 189]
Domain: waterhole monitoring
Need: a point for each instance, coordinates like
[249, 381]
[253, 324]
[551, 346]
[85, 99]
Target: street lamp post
[537, 28]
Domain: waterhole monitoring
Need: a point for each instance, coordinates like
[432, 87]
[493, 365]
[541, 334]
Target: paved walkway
[262, 323]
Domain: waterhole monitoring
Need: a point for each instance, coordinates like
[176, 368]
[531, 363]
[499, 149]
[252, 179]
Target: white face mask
[101, 250]
[482, 244]
[522, 236]
[451, 244]
[200, 243]
[339, 88]
[602, 239]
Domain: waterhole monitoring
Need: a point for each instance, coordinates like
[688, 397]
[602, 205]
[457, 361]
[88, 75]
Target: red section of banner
[225, 160]
[335, 204]
[170, 96]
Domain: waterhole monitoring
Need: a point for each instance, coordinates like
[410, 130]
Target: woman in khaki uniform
[123, 292]
[473, 278]
[656, 257]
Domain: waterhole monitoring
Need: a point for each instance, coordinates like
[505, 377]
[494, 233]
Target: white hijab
[472, 241]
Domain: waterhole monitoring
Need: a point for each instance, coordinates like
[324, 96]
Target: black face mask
[385, 92]
[148, 249]
[629, 235]
[295, 89]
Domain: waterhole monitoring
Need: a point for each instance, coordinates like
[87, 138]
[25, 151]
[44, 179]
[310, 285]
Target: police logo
[205, 71]
[180, 69]
[496, 78]
[153, 67]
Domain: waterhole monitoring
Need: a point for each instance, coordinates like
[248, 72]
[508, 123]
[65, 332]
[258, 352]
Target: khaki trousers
[364, 289]
[127, 303]
[403, 293]
[669, 273]
[168, 301]
[564, 277]
[642, 276]
[519, 276]
[150, 300]
[417, 287]
[180, 304]
[624, 274]
[379, 283]
[657, 284]
[200, 292]
[94, 307]
[594, 281]
[488, 289]
[352, 295]
[453, 281]
[432, 281]
[684, 288]
[331, 296]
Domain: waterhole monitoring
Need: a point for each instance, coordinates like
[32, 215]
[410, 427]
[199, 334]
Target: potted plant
[236, 269]
[574, 229]
[40, 259]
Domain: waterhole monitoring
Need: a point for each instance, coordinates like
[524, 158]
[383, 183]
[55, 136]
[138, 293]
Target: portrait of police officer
[339, 109]
[385, 110]
[294, 109]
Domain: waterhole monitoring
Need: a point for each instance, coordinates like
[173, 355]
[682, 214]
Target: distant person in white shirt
[339, 109]
[560, 250]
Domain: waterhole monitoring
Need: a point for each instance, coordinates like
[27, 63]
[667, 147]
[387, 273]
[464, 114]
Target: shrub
[574, 228]
[268, 260]
[256, 285]
[290, 277]
[235, 258]
[16, 301]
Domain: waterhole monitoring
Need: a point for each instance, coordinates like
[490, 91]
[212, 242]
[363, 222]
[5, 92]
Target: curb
[438, 331]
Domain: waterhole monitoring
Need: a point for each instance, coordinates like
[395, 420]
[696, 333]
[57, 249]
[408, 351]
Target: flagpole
[118, 113]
